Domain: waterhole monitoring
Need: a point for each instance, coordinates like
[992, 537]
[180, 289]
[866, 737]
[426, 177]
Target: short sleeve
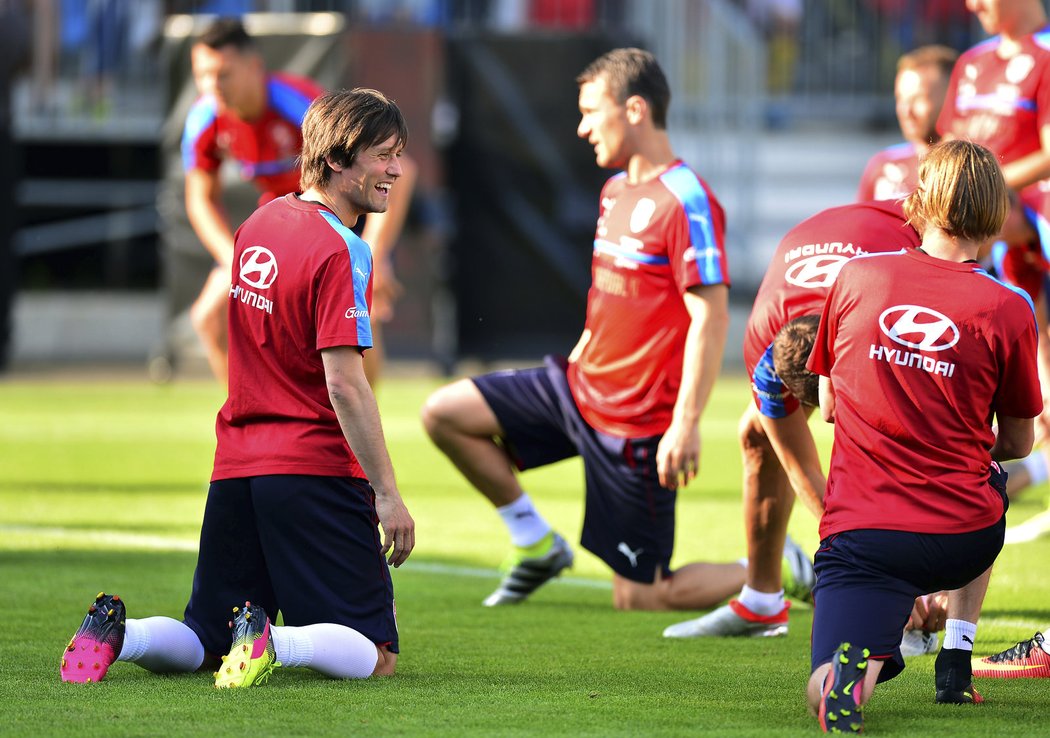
[696, 237]
[823, 356]
[342, 301]
[1019, 394]
[199, 148]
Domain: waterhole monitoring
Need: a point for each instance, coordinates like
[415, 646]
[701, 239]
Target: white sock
[161, 645]
[333, 650]
[1035, 465]
[761, 603]
[524, 522]
[959, 634]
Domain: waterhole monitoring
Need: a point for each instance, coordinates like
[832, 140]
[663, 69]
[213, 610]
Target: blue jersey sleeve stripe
[360, 269]
[1010, 287]
[290, 103]
[768, 388]
[202, 115]
[1042, 228]
[685, 186]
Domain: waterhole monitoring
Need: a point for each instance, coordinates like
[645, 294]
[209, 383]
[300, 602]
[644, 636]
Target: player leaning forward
[918, 351]
[290, 523]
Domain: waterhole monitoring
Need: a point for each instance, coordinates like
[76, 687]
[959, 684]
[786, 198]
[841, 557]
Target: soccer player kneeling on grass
[301, 473]
[629, 399]
[917, 351]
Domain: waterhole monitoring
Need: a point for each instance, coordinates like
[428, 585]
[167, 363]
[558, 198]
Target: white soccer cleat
[526, 575]
[732, 620]
[918, 642]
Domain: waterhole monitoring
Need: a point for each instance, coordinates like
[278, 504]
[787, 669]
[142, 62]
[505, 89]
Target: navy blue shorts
[305, 546]
[867, 582]
[628, 518]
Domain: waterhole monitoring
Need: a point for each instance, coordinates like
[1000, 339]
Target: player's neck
[347, 216]
[653, 156]
[940, 245]
[255, 106]
[1023, 25]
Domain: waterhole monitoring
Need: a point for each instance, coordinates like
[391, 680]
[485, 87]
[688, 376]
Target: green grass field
[102, 485]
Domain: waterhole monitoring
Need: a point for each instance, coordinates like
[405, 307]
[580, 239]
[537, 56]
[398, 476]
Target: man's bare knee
[438, 411]
[458, 409]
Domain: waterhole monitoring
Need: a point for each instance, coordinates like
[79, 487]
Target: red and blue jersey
[804, 266]
[266, 149]
[891, 174]
[301, 283]
[923, 353]
[654, 240]
[1002, 103]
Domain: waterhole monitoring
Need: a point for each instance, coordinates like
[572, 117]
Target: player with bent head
[630, 397]
[918, 351]
[776, 444]
[301, 469]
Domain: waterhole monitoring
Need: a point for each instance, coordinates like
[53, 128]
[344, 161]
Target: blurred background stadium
[777, 103]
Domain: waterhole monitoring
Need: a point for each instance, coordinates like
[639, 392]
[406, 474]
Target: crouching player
[778, 449]
[302, 474]
[917, 351]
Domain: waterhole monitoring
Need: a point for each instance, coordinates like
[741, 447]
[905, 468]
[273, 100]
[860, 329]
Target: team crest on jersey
[283, 139]
[919, 327]
[890, 183]
[1018, 68]
[815, 272]
[258, 267]
[642, 214]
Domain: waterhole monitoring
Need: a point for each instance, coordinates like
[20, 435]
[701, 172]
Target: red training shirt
[654, 240]
[301, 282]
[922, 354]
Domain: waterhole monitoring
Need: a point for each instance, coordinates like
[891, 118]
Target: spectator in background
[919, 89]
[14, 51]
[779, 22]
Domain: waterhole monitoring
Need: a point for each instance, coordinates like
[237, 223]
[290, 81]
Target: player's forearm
[797, 451]
[1014, 438]
[704, 347]
[1027, 170]
[205, 211]
[211, 227]
[358, 414]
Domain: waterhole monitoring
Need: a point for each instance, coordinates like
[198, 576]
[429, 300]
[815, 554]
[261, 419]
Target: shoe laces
[1020, 651]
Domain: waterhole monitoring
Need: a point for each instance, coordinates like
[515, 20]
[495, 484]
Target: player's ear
[637, 108]
[336, 165]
